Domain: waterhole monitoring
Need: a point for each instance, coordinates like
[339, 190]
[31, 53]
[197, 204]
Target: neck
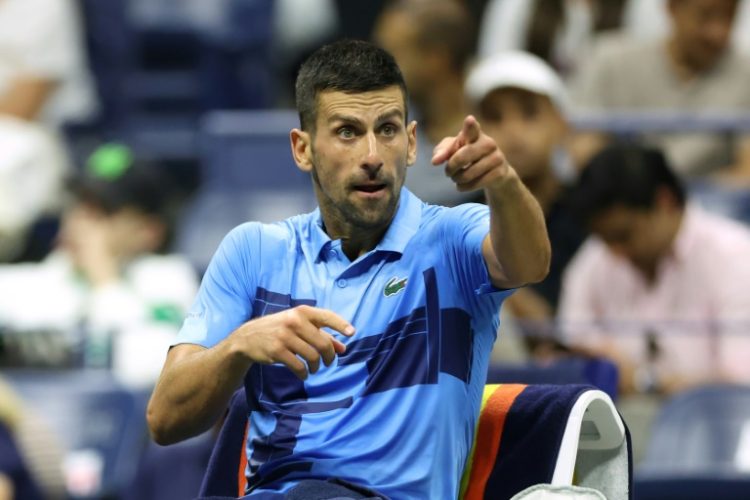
[443, 109]
[355, 242]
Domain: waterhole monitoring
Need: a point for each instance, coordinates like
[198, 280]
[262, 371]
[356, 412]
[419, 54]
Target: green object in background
[167, 313]
[110, 161]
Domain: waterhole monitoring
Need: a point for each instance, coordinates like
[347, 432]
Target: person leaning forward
[362, 330]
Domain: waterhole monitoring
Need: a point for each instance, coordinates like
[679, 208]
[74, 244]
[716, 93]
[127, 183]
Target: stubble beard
[357, 216]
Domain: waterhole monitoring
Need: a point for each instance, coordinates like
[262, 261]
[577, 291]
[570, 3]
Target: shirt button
[341, 283]
[333, 254]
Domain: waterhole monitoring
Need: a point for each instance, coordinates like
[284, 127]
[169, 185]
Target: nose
[373, 160]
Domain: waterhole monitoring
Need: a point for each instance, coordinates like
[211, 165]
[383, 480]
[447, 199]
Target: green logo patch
[394, 286]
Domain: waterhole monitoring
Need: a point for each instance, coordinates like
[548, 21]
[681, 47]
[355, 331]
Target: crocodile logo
[394, 286]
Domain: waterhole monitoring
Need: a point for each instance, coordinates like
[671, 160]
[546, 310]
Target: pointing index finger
[324, 317]
[471, 130]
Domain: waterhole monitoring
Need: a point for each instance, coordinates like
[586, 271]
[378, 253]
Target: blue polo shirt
[397, 411]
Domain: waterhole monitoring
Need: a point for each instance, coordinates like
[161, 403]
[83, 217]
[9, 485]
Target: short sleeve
[463, 231]
[224, 300]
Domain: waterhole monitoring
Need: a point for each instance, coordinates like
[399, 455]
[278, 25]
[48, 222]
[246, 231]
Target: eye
[345, 133]
[389, 130]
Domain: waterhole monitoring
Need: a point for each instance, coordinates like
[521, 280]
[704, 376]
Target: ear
[411, 135]
[301, 149]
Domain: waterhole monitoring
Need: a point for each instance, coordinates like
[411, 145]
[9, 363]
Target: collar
[401, 230]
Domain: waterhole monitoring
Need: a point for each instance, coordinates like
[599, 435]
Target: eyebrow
[395, 113]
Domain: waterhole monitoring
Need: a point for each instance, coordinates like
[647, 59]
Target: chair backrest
[248, 174]
[703, 431]
[225, 475]
[548, 434]
[573, 430]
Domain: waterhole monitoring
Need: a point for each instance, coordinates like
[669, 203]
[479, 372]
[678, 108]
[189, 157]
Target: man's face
[359, 153]
[525, 125]
[641, 235]
[702, 29]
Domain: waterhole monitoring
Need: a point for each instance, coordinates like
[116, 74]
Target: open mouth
[369, 188]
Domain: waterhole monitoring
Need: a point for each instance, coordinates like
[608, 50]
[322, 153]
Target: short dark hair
[348, 66]
[624, 174]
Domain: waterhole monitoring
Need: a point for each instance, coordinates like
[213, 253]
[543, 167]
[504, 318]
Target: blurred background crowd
[135, 133]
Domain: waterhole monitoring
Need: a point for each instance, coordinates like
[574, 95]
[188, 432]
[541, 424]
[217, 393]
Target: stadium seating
[100, 423]
[699, 446]
[247, 174]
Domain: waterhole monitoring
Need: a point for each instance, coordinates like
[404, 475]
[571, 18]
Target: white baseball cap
[519, 70]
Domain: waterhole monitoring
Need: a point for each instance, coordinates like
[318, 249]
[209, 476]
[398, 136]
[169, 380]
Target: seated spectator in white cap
[522, 104]
[106, 286]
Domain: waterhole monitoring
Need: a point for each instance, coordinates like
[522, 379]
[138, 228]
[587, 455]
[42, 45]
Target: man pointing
[362, 330]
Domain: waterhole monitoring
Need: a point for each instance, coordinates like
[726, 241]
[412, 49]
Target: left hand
[474, 161]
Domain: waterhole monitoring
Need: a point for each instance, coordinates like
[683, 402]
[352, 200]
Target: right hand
[283, 336]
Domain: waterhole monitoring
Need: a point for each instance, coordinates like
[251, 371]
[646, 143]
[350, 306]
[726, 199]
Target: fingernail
[349, 330]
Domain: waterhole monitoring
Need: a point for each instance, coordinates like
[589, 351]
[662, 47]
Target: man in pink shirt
[662, 285]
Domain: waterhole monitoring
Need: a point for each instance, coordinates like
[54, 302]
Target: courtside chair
[526, 435]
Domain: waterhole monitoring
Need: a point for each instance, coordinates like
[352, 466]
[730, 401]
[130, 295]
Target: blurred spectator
[522, 104]
[43, 82]
[650, 19]
[43, 73]
[432, 43]
[661, 287]
[558, 31]
[693, 70]
[105, 284]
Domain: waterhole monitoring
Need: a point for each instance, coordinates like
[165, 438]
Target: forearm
[193, 390]
[518, 233]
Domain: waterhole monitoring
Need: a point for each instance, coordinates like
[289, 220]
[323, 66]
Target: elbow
[158, 426]
[538, 266]
[543, 266]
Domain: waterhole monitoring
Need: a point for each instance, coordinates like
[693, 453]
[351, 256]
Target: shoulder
[719, 235]
[450, 223]
[460, 214]
[592, 259]
[269, 236]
